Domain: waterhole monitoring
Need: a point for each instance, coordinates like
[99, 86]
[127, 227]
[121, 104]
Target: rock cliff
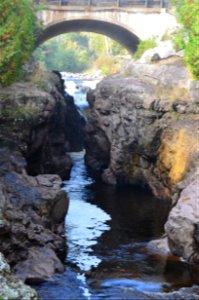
[35, 119]
[30, 218]
[143, 129]
[34, 138]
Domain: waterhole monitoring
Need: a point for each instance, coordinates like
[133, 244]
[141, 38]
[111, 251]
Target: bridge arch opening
[114, 31]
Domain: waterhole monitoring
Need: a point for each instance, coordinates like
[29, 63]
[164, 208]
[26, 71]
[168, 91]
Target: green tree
[68, 52]
[188, 16]
[17, 26]
[78, 52]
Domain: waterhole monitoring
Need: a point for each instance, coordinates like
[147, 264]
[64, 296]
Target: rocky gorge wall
[34, 136]
[143, 129]
[35, 118]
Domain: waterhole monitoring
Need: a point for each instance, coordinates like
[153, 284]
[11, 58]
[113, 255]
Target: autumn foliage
[188, 16]
[17, 25]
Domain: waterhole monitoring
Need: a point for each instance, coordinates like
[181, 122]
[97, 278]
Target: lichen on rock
[176, 151]
[11, 287]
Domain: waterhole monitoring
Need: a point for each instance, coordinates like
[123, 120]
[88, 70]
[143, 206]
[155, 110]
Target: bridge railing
[106, 3]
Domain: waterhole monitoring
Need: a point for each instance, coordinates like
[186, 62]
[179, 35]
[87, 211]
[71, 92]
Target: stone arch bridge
[126, 21]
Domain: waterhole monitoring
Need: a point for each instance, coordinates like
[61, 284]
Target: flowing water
[107, 231]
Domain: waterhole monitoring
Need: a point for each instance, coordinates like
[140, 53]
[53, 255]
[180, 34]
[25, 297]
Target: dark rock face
[46, 146]
[74, 127]
[196, 234]
[140, 131]
[97, 146]
[40, 264]
[42, 125]
[34, 121]
[32, 212]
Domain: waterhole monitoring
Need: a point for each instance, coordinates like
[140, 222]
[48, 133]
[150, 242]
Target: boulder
[40, 265]
[181, 223]
[164, 49]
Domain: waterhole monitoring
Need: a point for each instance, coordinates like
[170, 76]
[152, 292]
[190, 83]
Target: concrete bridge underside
[116, 32]
[123, 24]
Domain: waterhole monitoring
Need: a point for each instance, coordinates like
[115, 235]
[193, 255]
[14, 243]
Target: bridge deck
[106, 3]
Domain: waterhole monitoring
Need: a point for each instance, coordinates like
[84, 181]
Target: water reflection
[85, 222]
[91, 224]
[139, 285]
[107, 232]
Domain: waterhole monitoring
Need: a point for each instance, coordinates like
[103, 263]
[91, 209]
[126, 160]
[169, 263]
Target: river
[107, 230]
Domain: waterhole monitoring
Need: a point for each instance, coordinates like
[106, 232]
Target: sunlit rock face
[142, 125]
[143, 129]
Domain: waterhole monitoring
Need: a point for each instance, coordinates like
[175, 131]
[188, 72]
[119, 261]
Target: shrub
[143, 46]
[17, 26]
[107, 64]
[188, 15]
[178, 40]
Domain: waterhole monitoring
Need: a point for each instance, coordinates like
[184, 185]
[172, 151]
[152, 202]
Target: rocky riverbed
[143, 129]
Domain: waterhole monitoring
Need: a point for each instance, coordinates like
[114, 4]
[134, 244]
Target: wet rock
[182, 294]
[181, 221]
[32, 213]
[40, 265]
[160, 246]
[196, 234]
[91, 97]
[109, 177]
[60, 208]
[97, 158]
[74, 127]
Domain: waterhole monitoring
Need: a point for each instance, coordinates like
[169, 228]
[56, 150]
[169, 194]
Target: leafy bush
[187, 14]
[143, 46]
[17, 25]
[178, 40]
[107, 64]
